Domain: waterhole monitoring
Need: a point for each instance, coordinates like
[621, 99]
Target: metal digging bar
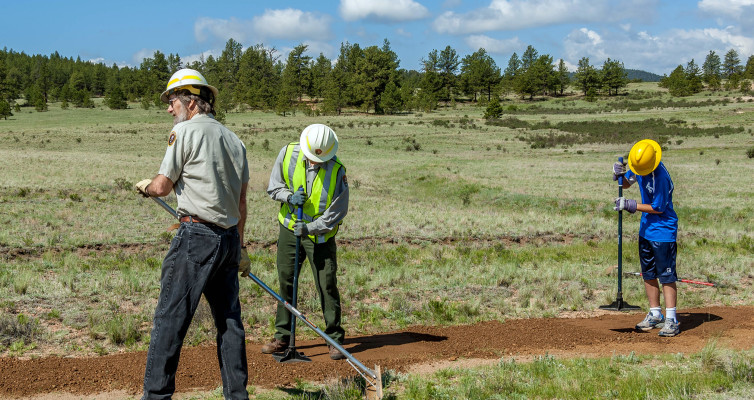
[290, 354]
[619, 304]
[373, 378]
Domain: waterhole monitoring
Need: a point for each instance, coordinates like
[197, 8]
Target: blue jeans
[203, 259]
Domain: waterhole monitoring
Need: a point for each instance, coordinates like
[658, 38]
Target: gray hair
[203, 106]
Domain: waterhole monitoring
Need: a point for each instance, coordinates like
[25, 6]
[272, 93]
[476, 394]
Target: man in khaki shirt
[205, 163]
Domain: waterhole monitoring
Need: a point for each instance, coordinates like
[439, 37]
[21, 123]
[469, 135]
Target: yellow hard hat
[191, 80]
[318, 142]
[644, 157]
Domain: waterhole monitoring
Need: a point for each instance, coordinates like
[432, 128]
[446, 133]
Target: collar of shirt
[311, 167]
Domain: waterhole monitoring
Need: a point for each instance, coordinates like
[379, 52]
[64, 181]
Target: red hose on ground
[679, 280]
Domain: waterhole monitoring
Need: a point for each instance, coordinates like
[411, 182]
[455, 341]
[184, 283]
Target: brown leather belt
[189, 218]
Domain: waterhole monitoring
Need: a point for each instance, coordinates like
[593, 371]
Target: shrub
[20, 327]
[123, 184]
[750, 152]
[467, 192]
[123, 330]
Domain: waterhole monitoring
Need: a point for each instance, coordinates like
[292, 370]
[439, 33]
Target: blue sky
[652, 35]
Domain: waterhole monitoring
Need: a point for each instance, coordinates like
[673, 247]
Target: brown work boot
[275, 346]
[335, 354]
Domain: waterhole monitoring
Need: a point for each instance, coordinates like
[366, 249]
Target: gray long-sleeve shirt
[278, 190]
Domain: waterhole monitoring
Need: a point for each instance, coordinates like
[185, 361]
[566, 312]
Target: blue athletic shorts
[657, 260]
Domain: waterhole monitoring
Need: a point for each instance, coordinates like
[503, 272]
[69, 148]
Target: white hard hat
[191, 80]
[318, 142]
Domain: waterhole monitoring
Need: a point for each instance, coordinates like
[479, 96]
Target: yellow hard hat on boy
[644, 157]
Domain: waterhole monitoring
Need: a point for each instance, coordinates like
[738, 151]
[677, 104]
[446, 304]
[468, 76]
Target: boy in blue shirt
[657, 231]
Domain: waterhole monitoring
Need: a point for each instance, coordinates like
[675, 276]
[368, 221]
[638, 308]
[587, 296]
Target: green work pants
[323, 261]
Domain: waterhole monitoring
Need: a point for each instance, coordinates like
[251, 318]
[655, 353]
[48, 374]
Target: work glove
[622, 203]
[297, 199]
[141, 187]
[300, 229]
[244, 267]
[619, 169]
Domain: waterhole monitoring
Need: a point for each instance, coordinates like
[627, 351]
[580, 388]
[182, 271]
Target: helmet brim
[313, 157]
[166, 94]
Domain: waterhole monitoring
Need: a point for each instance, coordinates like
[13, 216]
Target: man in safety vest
[310, 164]
[657, 231]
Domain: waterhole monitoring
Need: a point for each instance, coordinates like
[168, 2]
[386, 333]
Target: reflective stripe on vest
[322, 191]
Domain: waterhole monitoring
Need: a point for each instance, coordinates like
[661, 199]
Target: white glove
[244, 267]
[141, 187]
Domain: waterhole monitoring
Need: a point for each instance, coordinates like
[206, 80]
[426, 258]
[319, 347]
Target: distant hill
[634, 74]
[645, 76]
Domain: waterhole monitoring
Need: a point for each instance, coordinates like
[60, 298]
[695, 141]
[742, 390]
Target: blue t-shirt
[657, 190]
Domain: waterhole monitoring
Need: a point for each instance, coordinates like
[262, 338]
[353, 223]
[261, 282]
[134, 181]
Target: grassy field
[451, 220]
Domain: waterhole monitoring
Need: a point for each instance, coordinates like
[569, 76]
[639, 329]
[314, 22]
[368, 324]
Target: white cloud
[288, 24]
[658, 53]
[507, 15]
[736, 9]
[215, 30]
[585, 43]
[317, 47]
[140, 55]
[293, 24]
[493, 46]
[382, 10]
[403, 32]
[215, 53]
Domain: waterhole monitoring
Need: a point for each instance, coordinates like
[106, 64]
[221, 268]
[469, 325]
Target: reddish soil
[601, 334]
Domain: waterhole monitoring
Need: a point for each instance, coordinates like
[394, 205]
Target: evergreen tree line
[368, 79]
[714, 74]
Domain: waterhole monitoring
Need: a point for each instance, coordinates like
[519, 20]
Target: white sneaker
[670, 329]
[650, 322]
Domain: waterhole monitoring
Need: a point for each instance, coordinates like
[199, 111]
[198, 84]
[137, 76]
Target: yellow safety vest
[320, 198]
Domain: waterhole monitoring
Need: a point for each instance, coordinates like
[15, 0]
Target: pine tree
[115, 98]
[731, 64]
[296, 72]
[448, 67]
[494, 109]
[564, 78]
[479, 74]
[5, 109]
[586, 77]
[390, 100]
[677, 83]
[693, 77]
[711, 74]
[614, 76]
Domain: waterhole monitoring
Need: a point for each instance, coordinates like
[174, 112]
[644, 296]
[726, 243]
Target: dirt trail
[600, 335]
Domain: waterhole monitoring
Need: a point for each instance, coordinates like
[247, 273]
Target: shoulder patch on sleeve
[171, 138]
[345, 180]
